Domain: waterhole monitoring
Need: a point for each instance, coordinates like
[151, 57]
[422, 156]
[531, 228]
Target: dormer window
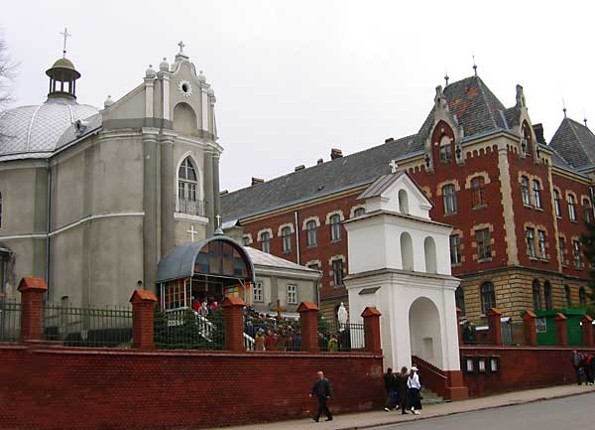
[445, 150]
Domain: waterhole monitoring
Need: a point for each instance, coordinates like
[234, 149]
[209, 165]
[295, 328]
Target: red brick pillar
[530, 328]
[495, 326]
[587, 322]
[371, 318]
[561, 329]
[459, 327]
[143, 315]
[309, 326]
[32, 291]
[233, 310]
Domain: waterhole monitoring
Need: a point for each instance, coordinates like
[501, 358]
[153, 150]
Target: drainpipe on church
[297, 236]
[48, 227]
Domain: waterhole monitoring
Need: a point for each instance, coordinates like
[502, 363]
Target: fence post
[233, 310]
[309, 326]
[530, 327]
[32, 291]
[143, 315]
[561, 329]
[587, 323]
[371, 318]
[495, 326]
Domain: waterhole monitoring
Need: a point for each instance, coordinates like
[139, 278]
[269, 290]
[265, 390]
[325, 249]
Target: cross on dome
[181, 45]
[66, 35]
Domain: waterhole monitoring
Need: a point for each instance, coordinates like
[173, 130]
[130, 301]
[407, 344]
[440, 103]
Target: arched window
[403, 202]
[537, 193]
[265, 242]
[547, 295]
[525, 191]
[188, 201]
[582, 297]
[286, 239]
[567, 296]
[449, 198]
[477, 195]
[488, 297]
[406, 251]
[460, 299]
[359, 212]
[536, 295]
[445, 149]
[430, 255]
[312, 233]
[335, 225]
[557, 203]
[571, 200]
[587, 211]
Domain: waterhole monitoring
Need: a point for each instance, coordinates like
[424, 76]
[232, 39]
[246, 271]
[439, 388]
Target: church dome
[34, 131]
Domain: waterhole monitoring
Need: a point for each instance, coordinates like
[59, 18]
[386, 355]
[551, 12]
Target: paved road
[570, 413]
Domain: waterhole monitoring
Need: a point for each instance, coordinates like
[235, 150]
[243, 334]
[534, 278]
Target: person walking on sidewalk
[389, 386]
[414, 386]
[401, 380]
[322, 390]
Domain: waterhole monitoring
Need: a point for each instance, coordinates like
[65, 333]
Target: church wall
[24, 204]
[67, 262]
[102, 388]
[68, 191]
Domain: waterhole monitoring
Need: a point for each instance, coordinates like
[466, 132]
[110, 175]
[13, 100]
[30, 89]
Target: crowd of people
[584, 366]
[403, 389]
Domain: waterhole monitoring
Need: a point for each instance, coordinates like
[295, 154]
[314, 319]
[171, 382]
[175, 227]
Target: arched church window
[312, 233]
[430, 255]
[460, 299]
[188, 201]
[406, 251]
[488, 297]
[403, 202]
[536, 288]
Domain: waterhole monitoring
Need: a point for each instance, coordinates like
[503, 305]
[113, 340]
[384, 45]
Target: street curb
[447, 414]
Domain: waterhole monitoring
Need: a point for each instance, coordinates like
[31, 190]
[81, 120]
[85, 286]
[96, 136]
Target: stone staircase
[431, 398]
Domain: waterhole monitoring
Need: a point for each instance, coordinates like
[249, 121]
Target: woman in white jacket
[414, 386]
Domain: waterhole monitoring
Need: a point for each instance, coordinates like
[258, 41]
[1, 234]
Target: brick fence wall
[518, 368]
[46, 387]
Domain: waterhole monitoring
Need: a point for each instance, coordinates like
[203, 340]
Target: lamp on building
[427, 160]
[523, 145]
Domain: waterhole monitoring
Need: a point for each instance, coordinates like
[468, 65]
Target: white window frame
[449, 198]
[530, 239]
[537, 194]
[258, 292]
[571, 201]
[292, 294]
[541, 241]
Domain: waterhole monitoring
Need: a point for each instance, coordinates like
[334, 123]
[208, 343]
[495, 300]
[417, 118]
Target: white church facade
[399, 264]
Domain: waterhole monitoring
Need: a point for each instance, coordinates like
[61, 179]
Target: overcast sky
[295, 79]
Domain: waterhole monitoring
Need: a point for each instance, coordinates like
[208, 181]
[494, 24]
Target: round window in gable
[185, 88]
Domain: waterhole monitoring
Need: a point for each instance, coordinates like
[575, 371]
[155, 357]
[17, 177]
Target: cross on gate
[393, 166]
[192, 232]
[218, 220]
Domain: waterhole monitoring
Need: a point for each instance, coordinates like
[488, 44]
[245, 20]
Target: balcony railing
[190, 207]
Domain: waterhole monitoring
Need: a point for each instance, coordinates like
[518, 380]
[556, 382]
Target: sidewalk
[377, 418]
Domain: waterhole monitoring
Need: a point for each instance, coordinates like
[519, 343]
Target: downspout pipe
[297, 236]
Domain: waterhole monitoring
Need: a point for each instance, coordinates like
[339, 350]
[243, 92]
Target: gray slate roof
[263, 259]
[575, 143]
[380, 185]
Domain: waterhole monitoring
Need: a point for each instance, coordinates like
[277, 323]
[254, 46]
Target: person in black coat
[402, 389]
[322, 390]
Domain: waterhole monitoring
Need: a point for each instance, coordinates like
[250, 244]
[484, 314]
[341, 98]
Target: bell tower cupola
[63, 76]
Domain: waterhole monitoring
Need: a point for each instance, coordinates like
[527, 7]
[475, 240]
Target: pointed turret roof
[575, 143]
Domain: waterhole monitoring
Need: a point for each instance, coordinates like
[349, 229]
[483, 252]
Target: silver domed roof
[34, 131]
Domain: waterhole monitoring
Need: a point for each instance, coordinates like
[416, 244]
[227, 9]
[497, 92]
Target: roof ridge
[481, 86]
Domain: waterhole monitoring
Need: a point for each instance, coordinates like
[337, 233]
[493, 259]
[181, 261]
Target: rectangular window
[477, 197]
[286, 239]
[537, 194]
[338, 273]
[257, 292]
[484, 249]
[563, 251]
[541, 243]
[557, 203]
[576, 251]
[455, 249]
[335, 228]
[449, 199]
[525, 191]
[530, 239]
[265, 242]
[311, 233]
[571, 207]
[292, 296]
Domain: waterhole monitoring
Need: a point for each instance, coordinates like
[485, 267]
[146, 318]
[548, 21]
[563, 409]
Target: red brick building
[516, 202]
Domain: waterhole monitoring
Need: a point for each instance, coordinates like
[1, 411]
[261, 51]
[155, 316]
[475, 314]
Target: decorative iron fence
[187, 329]
[88, 327]
[10, 320]
[340, 337]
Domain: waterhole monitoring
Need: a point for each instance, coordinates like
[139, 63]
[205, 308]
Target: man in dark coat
[322, 391]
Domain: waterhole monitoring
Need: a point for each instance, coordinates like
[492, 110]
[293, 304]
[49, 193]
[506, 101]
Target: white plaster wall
[367, 246]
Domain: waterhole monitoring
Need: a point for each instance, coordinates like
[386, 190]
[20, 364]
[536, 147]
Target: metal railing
[337, 337]
[186, 329]
[88, 327]
[190, 207]
[10, 320]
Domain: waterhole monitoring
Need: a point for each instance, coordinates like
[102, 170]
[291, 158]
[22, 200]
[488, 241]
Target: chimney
[538, 129]
[336, 153]
[298, 168]
[389, 140]
[319, 162]
[257, 181]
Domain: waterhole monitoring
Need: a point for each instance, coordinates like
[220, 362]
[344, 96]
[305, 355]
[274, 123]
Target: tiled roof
[260, 258]
[575, 143]
[475, 107]
[324, 179]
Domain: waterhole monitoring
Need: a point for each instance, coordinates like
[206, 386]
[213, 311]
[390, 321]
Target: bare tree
[7, 68]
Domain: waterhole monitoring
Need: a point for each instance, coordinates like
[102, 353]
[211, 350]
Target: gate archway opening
[424, 331]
